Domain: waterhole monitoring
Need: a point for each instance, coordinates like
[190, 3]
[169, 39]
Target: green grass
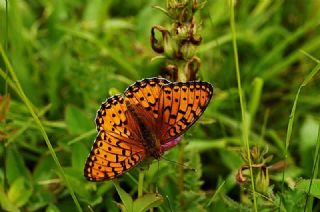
[60, 60]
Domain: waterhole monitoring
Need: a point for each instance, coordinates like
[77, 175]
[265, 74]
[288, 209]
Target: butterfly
[146, 121]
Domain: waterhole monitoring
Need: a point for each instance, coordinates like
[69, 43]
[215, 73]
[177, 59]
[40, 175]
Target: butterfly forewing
[112, 117]
[181, 105]
[146, 93]
[175, 106]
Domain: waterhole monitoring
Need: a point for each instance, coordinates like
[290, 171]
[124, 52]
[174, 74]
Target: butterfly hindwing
[111, 157]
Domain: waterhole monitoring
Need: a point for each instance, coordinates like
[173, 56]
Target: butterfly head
[154, 148]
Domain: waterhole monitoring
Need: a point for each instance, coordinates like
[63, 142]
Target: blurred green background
[69, 56]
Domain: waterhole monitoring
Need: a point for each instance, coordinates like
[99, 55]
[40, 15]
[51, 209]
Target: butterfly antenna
[180, 164]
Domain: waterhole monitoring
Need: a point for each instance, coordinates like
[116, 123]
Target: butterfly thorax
[150, 142]
[148, 138]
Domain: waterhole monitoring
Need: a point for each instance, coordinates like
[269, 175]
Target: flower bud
[262, 181]
[188, 51]
[170, 46]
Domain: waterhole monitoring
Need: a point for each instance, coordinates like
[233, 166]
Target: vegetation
[255, 148]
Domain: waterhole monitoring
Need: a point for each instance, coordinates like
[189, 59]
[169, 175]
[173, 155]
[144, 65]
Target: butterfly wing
[117, 147]
[171, 108]
[111, 157]
[181, 104]
[175, 106]
[113, 117]
[146, 93]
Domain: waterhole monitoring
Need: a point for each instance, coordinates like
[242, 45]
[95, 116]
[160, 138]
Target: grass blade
[309, 203]
[242, 103]
[38, 122]
[291, 118]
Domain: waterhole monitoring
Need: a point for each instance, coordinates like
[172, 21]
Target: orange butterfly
[149, 120]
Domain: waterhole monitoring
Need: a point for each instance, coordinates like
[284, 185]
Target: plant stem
[140, 183]
[242, 103]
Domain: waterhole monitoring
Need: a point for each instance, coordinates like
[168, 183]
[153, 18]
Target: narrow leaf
[124, 196]
[147, 202]
[304, 185]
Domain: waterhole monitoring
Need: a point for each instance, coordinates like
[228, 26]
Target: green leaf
[307, 143]
[232, 205]
[5, 202]
[308, 133]
[79, 155]
[124, 196]
[76, 180]
[290, 173]
[77, 121]
[117, 24]
[292, 200]
[52, 208]
[231, 159]
[304, 185]
[205, 145]
[19, 192]
[44, 169]
[95, 11]
[15, 166]
[255, 97]
[147, 201]
[41, 196]
[213, 198]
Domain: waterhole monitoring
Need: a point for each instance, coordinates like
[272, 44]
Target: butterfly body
[148, 120]
[146, 129]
